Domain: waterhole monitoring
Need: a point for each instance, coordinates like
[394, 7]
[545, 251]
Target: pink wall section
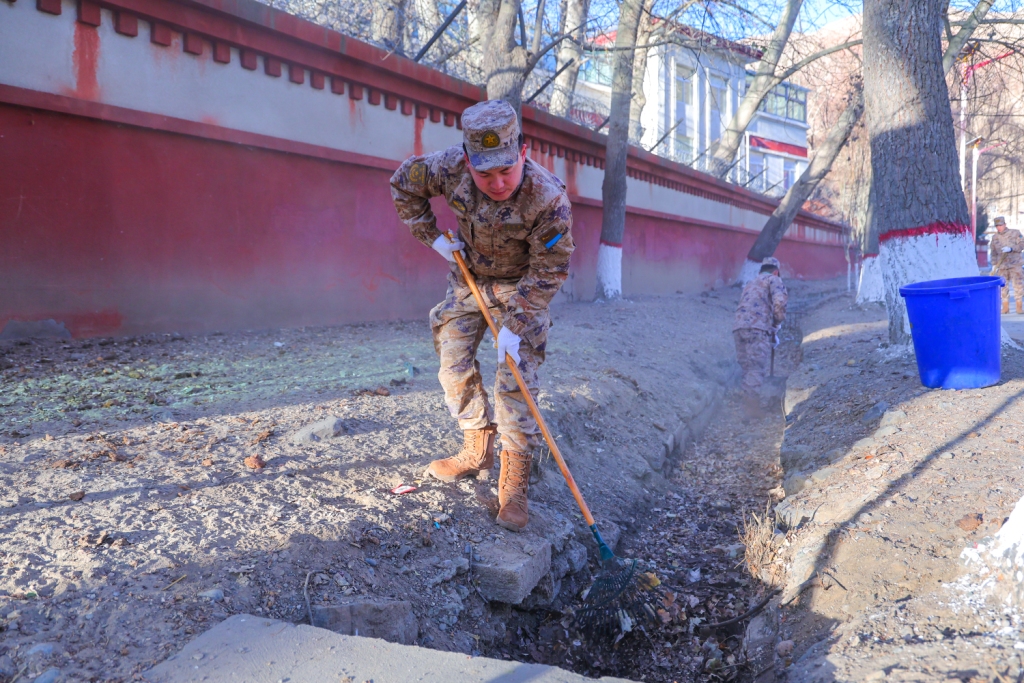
[126, 206]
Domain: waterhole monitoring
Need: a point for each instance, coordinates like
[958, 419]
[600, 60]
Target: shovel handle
[527, 396]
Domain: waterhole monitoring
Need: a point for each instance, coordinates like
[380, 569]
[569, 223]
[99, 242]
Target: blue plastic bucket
[955, 326]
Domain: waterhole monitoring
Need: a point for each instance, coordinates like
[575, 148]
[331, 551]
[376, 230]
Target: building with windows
[691, 95]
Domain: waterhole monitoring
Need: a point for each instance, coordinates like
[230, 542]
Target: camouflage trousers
[458, 328]
[753, 352]
[1014, 276]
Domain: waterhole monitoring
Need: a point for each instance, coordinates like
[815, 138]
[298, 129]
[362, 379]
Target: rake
[621, 594]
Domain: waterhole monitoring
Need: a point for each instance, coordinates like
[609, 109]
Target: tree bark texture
[504, 61]
[613, 189]
[575, 20]
[780, 220]
[917, 206]
[764, 81]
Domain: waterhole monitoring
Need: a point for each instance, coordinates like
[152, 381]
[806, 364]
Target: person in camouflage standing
[515, 233]
[759, 316]
[1006, 247]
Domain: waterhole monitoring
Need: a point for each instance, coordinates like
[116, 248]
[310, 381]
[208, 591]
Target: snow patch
[870, 288]
[609, 271]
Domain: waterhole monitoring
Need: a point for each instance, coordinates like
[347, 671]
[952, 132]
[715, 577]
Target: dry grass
[758, 537]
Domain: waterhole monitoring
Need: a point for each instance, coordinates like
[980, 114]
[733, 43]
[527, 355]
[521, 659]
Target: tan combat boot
[513, 485]
[477, 454]
[1006, 306]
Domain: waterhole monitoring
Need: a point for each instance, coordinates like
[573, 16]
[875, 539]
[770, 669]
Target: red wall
[114, 229]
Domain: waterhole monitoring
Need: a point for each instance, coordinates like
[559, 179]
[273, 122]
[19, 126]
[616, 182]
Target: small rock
[77, 495]
[874, 412]
[461, 565]
[42, 649]
[822, 474]
[255, 462]
[893, 418]
[948, 455]
[214, 594]
[785, 648]
[883, 432]
[370, 561]
[970, 521]
[328, 428]
[49, 676]
[795, 483]
[722, 506]
[863, 444]
[207, 463]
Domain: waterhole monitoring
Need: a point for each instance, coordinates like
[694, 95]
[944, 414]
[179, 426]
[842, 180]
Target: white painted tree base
[870, 289]
[748, 272]
[609, 272]
[918, 258]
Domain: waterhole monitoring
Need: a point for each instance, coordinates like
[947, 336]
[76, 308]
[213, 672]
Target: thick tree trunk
[780, 220]
[613, 189]
[504, 61]
[639, 101]
[574, 21]
[764, 80]
[917, 206]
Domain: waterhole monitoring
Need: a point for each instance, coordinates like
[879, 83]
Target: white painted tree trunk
[609, 271]
[871, 289]
[924, 254]
[748, 272]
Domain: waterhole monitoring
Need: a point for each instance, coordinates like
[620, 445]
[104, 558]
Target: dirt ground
[125, 497]
[131, 521]
[891, 496]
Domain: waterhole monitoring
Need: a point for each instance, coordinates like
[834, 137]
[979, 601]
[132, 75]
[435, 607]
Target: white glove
[446, 248]
[1007, 250]
[508, 342]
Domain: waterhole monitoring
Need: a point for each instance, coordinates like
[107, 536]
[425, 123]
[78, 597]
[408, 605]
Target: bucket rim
[932, 287]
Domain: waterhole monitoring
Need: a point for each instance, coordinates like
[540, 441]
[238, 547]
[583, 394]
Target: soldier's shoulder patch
[550, 237]
[458, 204]
[418, 172]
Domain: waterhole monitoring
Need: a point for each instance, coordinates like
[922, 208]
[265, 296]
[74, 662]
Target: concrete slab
[259, 650]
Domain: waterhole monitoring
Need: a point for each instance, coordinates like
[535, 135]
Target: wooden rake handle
[527, 396]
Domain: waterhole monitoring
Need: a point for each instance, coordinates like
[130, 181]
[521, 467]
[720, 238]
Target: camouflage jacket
[526, 239]
[762, 304]
[1009, 238]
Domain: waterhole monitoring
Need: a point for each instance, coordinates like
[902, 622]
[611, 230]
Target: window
[757, 171]
[719, 102]
[684, 85]
[683, 147]
[597, 68]
[788, 173]
[785, 100]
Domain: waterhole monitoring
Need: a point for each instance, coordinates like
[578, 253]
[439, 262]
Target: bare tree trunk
[780, 220]
[504, 61]
[613, 189]
[764, 81]
[639, 101]
[388, 27]
[481, 15]
[575, 20]
[917, 206]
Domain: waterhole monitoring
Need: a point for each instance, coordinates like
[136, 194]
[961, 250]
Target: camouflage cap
[772, 261]
[490, 134]
[998, 220]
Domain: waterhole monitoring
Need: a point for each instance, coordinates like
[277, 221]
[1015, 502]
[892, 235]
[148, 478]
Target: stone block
[795, 483]
[790, 515]
[893, 418]
[883, 432]
[506, 573]
[328, 428]
[390, 620]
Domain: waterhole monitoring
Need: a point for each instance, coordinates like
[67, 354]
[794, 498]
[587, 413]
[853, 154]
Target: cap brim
[494, 158]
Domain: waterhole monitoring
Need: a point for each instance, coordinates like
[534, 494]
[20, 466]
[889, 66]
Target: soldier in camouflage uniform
[759, 315]
[515, 225]
[1006, 247]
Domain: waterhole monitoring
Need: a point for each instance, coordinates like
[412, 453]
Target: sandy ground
[874, 577]
[124, 495]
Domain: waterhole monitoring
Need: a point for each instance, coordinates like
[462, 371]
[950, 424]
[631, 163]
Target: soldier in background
[515, 225]
[1006, 258]
[759, 316]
